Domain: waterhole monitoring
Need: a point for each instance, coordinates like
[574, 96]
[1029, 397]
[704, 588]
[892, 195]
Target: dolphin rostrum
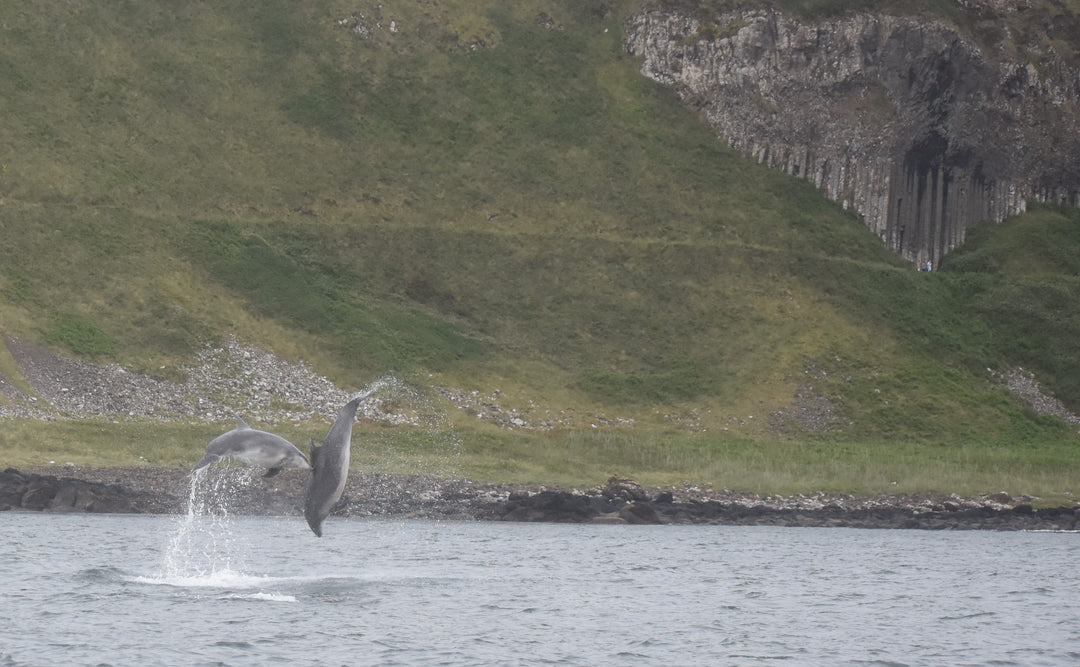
[330, 466]
[254, 447]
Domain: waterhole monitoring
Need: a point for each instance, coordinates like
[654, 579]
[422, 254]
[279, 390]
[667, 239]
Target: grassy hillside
[491, 196]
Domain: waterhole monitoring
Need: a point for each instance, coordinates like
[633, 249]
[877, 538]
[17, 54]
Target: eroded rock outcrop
[63, 494]
[922, 129]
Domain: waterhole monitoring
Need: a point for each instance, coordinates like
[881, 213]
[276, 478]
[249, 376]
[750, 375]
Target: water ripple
[529, 595]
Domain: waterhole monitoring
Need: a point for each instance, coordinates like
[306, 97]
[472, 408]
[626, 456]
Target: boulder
[555, 506]
[73, 495]
[621, 488]
[12, 488]
[640, 512]
[50, 494]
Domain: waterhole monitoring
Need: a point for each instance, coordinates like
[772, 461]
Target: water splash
[203, 544]
[203, 549]
[375, 386]
[401, 468]
[424, 441]
[397, 405]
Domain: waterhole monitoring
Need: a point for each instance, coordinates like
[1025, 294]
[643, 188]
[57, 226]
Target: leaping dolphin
[254, 447]
[330, 466]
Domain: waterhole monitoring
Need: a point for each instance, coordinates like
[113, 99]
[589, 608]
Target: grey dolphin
[330, 467]
[254, 447]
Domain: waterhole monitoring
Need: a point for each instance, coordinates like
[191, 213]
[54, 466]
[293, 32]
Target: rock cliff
[923, 126]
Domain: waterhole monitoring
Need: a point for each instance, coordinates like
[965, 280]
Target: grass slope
[494, 196]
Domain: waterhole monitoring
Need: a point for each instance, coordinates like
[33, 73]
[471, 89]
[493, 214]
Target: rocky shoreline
[235, 378]
[150, 490]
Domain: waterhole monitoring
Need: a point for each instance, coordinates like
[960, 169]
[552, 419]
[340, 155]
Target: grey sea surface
[226, 590]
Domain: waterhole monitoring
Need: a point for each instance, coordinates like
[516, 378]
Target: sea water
[210, 588]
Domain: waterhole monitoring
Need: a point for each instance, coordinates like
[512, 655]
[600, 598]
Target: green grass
[494, 202]
[580, 459]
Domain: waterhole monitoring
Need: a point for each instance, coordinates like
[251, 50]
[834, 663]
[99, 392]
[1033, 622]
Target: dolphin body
[330, 467]
[254, 447]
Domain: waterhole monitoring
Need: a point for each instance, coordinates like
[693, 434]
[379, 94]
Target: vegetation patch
[79, 337]
[531, 215]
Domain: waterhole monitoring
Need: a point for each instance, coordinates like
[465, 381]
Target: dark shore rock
[51, 494]
[165, 491]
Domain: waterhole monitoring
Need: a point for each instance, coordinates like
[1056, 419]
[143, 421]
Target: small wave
[229, 644]
[270, 597]
[218, 579]
[1038, 590]
[239, 586]
[963, 617]
[1050, 530]
[100, 574]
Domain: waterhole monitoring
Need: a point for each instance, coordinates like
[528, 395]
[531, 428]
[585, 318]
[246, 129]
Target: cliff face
[911, 123]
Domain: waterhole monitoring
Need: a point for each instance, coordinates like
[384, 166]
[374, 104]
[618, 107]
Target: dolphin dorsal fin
[240, 423]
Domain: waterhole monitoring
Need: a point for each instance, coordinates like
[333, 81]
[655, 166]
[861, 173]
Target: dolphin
[330, 467]
[254, 447]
